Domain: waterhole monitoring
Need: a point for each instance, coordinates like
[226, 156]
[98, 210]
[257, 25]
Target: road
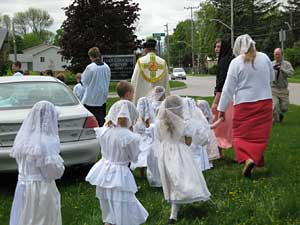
[204, 86]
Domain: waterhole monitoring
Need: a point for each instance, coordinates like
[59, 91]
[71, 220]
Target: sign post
[158, 36]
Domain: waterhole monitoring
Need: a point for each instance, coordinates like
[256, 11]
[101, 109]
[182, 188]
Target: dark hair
[61, 77]
[94, 52]
[18, 64]
[150, 44]
[123, 87]
[49, 73]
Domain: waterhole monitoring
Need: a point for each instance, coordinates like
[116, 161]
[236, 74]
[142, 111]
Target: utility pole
[168, 41]
[14, 41]
[192, 33]
[232, 24]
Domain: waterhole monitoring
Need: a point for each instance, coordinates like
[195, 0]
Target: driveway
[204, 86]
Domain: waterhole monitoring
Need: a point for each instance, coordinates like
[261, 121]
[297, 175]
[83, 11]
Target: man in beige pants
[280, 92]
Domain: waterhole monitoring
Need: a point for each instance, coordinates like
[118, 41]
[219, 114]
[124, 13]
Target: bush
[293, 56]
[213, 70]
[70, 78]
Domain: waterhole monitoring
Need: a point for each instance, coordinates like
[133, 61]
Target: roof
[3, 36]
[9, 79]
[21, 57]
[39, 48]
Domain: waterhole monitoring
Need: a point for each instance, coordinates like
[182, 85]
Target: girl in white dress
[36, 149]
[157, 96]
[142, 127]
[212, 147]
[182, 180]
[192, 114]
[115, 184]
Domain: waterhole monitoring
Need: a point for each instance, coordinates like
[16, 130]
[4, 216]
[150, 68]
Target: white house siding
[52, 60]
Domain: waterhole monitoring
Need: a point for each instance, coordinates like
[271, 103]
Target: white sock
[174, 211]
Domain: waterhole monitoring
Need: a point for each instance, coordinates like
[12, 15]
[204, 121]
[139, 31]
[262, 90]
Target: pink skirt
[224, 130]
[252, 123]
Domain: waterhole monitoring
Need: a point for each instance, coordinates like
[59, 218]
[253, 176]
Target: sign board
[282, 35]
[158, 35]
[121, 66]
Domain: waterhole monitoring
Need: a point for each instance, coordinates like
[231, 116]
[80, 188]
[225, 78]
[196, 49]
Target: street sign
[282, 35]
[158, 35]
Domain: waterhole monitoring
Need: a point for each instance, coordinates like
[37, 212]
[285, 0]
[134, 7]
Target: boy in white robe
[115, 184]
[36, 149]
[182, 180]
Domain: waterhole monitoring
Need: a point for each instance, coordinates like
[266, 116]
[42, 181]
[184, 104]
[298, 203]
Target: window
[62, 59]
[42, 59]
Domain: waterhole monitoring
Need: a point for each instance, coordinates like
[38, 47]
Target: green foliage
[31, 39]
[293, 56]
[70, 78]
[213, 70]
[296, 77]
[19, 44]
[58, 36]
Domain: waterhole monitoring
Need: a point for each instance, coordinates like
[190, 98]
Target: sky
[154, 14]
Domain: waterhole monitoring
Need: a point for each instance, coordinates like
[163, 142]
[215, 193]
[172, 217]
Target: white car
[178, 73]
[76, 123]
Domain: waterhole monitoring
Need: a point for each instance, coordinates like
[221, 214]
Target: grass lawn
[270, 197]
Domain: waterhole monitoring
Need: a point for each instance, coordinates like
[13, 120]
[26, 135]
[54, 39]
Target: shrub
[293, 56]
[213, 70]
[70, 78]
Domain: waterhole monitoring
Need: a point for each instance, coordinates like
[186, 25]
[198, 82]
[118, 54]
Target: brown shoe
[249, 165]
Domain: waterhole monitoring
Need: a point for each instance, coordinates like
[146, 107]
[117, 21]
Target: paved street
[204, 86]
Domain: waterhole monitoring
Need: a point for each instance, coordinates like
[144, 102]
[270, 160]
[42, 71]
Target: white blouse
[246, 82]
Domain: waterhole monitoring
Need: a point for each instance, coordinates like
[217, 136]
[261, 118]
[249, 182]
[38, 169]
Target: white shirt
[247, 82]
[18, 74]
[78, 90]
[95, 79]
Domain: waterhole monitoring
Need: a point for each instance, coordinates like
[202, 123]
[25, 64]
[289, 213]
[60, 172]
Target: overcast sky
[154, 14]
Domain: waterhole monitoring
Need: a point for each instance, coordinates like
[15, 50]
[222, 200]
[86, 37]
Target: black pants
[99, 112]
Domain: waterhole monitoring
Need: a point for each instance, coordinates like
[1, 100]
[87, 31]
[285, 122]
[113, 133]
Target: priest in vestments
[150, 71]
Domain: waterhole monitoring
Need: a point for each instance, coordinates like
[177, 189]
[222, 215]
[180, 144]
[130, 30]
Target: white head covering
[122, 108]
[38, 135]
[242, 44]
[204, 106]
[171, 117]
[191, 111]
[145, 110]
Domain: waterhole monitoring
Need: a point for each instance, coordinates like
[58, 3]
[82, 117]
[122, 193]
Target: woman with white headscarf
[36, 149]
[181, 178]
[248, 84]
[115, 184]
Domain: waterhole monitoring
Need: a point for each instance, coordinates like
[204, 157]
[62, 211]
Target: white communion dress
[37, 199]
[115, 184]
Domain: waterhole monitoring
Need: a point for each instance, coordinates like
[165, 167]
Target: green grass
[271, 197]
[296, 77]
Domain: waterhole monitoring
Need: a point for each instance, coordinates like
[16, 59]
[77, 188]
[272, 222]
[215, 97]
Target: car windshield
[26, 94]
[176, 70]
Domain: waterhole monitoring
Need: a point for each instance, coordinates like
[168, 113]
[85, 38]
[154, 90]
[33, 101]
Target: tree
[107, 24]
[38, 20]
[292, 15]
[19, 44]
[6, 20]
[20, 23]
[58, 36]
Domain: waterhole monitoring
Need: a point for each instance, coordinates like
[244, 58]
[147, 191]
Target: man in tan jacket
[280, 92]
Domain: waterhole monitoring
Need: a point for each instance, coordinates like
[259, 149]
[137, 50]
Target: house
[42, 57]
[3, 45]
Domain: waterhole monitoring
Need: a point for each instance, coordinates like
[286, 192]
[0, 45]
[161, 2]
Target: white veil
[145, 109]
[171, 118]
[122, 108]
[204, 107]
[40, 123]
[157, 95]
[242, 44]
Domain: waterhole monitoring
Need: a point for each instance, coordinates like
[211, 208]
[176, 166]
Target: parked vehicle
[76, 123]
[178, 73]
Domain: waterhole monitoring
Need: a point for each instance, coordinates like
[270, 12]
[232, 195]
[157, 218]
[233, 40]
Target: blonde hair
[250, 56]
[94, 52]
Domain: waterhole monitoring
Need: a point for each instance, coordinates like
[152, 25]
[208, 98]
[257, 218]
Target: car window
[178, 70]
[26, 94]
